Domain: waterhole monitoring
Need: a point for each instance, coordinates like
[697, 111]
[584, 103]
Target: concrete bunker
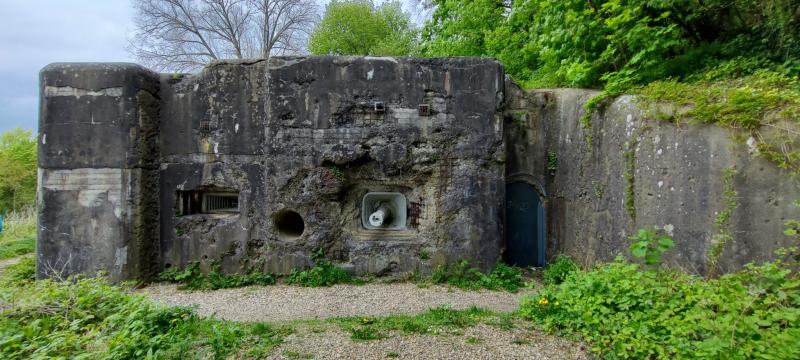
[257, 164]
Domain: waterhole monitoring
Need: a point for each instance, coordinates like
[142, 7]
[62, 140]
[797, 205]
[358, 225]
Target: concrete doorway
[525, 225]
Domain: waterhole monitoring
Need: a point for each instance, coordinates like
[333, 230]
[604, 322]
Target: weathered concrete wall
[302, 135]
[300, 141]
[97, 170]
[121, 147]
[638, 172]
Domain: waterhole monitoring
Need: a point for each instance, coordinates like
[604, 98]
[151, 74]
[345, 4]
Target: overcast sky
[34, 33]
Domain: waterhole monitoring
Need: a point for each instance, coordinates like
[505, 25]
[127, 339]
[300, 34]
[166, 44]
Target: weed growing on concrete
[765, 105]
[629, 155]
[552, 161]
[722, 222]
[649, 246]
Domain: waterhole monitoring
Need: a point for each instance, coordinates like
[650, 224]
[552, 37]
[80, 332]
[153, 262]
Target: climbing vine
[722, 222]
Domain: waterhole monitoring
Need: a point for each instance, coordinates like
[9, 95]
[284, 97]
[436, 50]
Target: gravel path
[479, 342]
[8, 262]
[284, 303]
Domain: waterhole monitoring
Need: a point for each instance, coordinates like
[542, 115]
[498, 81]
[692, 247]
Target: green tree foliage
[615, 43]
[17, 170]
[462, 27]
[359, 27]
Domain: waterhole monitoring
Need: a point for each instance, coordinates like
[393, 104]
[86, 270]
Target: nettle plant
[649, 246]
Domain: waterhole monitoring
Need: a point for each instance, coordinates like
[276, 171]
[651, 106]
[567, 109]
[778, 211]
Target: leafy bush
[625, 312]
[558, 270]
[462, 275]
[17, 170]
[192, 278]
[614, 44]
[90, 318]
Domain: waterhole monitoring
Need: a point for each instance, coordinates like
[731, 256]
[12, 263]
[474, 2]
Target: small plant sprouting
[558, 270]
[464, 276]
[424, 255]
[552, 161]
[722, 222]
[650, 246]
[324, 273]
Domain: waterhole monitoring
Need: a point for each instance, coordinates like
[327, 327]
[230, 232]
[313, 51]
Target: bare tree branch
[183, 35]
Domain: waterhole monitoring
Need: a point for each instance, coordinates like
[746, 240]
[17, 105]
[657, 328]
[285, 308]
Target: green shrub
[192, 278]
[625, 312]
[615, 44]
[462, 275]
[17, 171]
[558, 270]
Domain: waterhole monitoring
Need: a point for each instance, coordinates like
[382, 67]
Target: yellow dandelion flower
[543, 301]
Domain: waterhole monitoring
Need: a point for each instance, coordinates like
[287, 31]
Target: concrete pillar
[98, 171]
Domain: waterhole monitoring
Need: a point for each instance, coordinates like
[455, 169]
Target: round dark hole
[167, 265]
[289, 224]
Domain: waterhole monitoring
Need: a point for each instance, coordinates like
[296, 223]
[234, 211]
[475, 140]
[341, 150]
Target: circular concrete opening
[289, 224]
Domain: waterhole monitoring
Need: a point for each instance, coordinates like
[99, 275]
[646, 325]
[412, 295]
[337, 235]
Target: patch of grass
[192, 278]
[437, 321]
[90, 318]
[19, 234]
[19, 274]
[392, 354]
[464, 276]
[764, 104]
[297, 355]
[473, 340]
[521, 342]
[324, 273]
